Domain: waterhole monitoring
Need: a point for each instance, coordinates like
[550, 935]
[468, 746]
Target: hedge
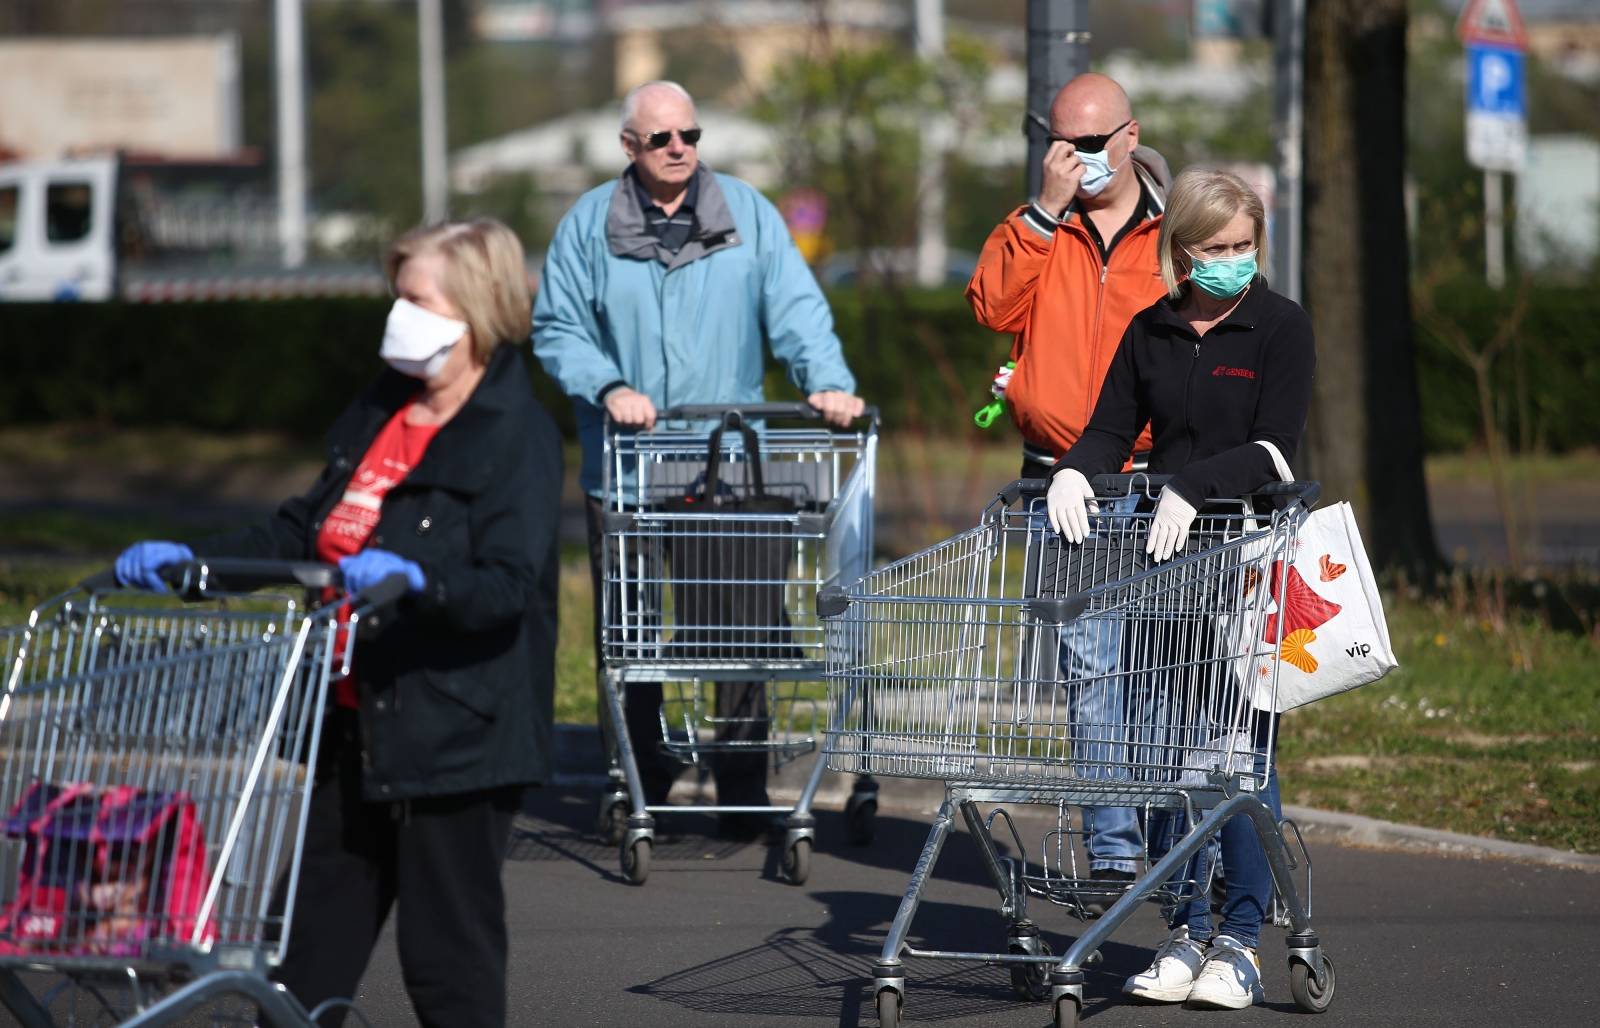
[1560, 364]
[291, 365]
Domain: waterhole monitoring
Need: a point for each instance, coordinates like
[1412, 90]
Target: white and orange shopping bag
[1313, 616]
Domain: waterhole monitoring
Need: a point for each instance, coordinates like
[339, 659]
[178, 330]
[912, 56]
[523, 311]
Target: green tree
[853, 124]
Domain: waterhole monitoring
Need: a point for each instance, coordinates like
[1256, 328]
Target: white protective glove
[1169, 529]
[1069, 502]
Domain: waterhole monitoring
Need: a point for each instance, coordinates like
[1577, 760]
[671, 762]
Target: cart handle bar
[199, 578]
[1122, 485]
[715, 411]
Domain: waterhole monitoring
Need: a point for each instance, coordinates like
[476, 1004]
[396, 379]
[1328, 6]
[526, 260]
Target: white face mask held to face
[1097, 172]
[416, 341]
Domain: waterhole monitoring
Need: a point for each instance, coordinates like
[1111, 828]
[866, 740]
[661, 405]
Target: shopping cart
[721, 526]
[949, 665]
[156, 759]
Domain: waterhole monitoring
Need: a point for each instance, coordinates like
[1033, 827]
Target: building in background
[1558, 206]
[537, 21]
[176, 96]
[758, 35]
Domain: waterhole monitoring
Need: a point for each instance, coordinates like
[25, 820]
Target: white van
[58, 230]
[151, 230]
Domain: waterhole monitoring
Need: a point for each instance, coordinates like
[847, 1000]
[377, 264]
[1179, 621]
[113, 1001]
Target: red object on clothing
[395, 450]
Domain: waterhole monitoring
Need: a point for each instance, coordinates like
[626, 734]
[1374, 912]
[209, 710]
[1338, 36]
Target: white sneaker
[1230, 979]
[1172, 972]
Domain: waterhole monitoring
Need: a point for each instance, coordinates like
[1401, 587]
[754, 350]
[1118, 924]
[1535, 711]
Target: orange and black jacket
[1067, 307]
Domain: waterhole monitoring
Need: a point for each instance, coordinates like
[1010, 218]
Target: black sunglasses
[656, 140]
[1090, 144]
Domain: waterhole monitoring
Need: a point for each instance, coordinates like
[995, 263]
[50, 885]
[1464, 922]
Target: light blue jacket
[682, 328]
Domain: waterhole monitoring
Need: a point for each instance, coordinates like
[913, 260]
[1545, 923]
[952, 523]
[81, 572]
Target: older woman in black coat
[448, 471]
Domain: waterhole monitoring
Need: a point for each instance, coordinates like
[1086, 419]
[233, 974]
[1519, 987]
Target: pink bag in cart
[104, 871]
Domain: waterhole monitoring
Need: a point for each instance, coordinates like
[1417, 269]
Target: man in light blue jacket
[658, 290]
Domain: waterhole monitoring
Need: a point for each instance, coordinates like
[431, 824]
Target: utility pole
[932, 252]
[289, 61]
[1058, 49]
[430, 47]
[1288, 80]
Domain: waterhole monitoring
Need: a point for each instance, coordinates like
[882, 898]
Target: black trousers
[438, 859]
[741, 777]
[1035, 469]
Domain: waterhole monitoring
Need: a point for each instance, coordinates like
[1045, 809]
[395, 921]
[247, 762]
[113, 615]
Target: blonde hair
[1201, 203]
[484, 276]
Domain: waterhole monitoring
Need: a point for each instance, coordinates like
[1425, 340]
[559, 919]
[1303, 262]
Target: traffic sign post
[1497, 111]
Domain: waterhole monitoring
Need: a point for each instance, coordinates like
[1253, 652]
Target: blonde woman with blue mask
[1220, 369]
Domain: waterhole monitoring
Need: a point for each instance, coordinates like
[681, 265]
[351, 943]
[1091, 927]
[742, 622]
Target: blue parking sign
[1495, 82]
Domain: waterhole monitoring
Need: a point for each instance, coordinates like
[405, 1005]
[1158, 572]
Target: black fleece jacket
[1208, 400]
[456, 687]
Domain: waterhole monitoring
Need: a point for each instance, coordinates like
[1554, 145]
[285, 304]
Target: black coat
[1207, 400]
[458, 683]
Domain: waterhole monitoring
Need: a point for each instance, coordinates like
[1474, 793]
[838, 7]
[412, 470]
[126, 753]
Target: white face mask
[1097, 172]
[416, 341]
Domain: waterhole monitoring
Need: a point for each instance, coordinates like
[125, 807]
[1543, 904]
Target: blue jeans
[1091, 655]
[1248, 878]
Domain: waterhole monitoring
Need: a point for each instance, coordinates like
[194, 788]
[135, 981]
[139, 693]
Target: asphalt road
[716, 938]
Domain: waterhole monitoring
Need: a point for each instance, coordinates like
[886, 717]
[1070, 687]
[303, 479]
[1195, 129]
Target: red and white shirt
[345, 531]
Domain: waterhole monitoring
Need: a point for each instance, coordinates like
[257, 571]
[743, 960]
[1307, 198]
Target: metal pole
[289, 43]
[1058, 49]
[430, 47]
[1494, 236]
[932, 252]
[1289, 48]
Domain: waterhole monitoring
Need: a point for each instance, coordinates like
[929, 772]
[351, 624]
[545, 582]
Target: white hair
[630, 103]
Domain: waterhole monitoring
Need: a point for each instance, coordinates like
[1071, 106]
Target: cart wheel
[1066, 1012]
[797, 862]
[888, 1008]
[1308, 995]
[613, 823]
[636, 861]
[1031, 981]
[861, 817]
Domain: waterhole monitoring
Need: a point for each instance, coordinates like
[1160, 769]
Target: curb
[579, 764]
[1356, 830]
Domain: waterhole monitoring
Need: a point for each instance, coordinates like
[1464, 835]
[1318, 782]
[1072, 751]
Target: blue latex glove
[140, 564]
[369, 567]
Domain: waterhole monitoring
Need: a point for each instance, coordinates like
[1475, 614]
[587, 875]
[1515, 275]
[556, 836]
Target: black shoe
[749, 827]
[1095, 903]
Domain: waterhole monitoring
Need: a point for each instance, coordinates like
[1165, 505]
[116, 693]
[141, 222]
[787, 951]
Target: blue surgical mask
[1223, 277]
[1097, 172]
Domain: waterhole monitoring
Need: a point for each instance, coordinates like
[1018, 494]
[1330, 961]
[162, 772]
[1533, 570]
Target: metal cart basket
[721, 526]
[954, 664]
[155, 765]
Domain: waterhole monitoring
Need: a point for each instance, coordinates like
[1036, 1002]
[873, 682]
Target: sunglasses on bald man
[1089, 144]
[656, 140]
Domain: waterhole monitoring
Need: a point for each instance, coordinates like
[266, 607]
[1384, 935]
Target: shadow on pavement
[558, 822]
[825, 971]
